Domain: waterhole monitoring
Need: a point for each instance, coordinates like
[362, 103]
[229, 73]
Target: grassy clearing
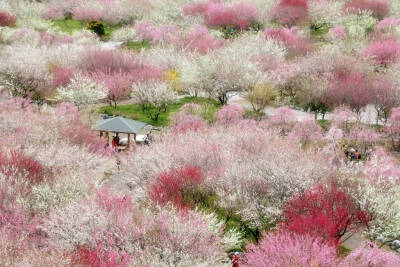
[134, 111]
[207, 201]
[71, 25]
[137, 45]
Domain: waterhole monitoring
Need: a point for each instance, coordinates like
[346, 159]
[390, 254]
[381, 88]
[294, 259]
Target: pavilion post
[101, 133]
[129, 141]
[134, 137]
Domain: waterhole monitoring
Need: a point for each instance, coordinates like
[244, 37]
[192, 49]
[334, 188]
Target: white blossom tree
[153, 96]
[82, 91]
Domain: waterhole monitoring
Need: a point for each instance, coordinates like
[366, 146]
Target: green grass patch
[135, 111]
[343, 251]
[137, 45]
[324, 124]
[318, 31]
[71, 25]
[207, 201]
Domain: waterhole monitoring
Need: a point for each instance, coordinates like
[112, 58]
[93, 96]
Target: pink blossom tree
[384, 52]
[291, 38]
[200, 40]
[379, 8]
[370, 255]
[350, 88]
[118, 84]
[290, 12]
[283, 118]
[287, 249]
[229, 114]
[393, 127]
[306, 132]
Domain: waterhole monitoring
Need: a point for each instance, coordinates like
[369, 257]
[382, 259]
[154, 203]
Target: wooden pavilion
[122, 125]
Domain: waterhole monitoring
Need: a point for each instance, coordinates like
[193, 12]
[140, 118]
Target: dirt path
[368, 116]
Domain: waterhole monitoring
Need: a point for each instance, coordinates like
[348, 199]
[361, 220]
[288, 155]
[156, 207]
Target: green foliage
[343, 251]
[251, 114]
[96, 27]
[318, 31]
[137, 45]
[136, 111]
[70, 25]
[206, 200]
[324, 124]
[230, 32]
[256, 26]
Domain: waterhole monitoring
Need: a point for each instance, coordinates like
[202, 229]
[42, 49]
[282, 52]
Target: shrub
[96, 27]
[6, 19]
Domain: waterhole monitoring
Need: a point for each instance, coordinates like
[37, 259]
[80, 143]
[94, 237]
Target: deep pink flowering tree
[6, 19]
[216, 14]
[384, 52]
[350, 88]
[200, 40]
[118, 84]
[326, 212]
[287, 249]
[290, 12]
[296, 44]
[379, 8]
[171, 186]
[62, 76]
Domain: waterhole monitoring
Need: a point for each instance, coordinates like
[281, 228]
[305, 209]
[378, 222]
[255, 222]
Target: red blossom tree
[6, 19]
[99, 257]
[19, 164]
[325, 212]
[170, 186]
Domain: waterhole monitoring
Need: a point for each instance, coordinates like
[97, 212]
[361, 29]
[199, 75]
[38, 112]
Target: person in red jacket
[235, 259]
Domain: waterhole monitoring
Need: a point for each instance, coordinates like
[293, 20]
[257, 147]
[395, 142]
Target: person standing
[357, 155]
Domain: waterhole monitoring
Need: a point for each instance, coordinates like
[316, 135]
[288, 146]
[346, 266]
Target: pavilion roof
[121, 125]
